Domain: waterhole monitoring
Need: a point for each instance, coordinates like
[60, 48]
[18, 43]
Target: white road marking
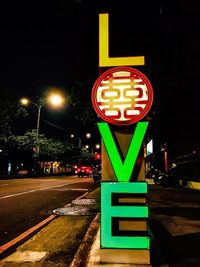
[71, 189]
[35, 190]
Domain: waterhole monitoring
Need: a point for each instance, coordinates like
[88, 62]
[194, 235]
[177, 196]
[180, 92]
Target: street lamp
[55, 100]
[87, 135]
[97, 146]
[39, 105]
[79, 140]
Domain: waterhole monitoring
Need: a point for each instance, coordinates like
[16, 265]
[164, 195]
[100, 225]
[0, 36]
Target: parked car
[84, 170]
[187, 167]
[69, 169]
[22, 172]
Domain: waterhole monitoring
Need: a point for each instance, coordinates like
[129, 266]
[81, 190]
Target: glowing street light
[24, 101]
[97, 146]
[87, 135]
[54, 99]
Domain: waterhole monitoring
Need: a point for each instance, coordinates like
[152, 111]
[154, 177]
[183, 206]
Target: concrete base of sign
[130, 256]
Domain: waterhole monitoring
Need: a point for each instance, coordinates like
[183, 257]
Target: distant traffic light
[98, 156]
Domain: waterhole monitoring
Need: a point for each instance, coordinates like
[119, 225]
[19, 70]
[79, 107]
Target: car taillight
[78, 170]
[87, 170]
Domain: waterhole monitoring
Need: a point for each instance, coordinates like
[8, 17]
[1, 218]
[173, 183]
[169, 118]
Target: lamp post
[55, 100]
[39, 105]
[79, 140]
[96, 147]
[38, 119]
[87, 135]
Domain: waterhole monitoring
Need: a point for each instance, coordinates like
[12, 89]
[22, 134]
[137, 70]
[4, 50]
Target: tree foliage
[84, 155]
[51, 148]
[9, 112]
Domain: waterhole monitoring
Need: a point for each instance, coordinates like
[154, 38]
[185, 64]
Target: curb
[190, 184]
[82, 254]
[26, 234]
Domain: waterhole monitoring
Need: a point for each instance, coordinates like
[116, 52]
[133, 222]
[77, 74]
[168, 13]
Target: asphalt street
[26, 202]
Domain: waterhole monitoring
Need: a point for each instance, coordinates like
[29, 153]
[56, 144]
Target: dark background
[55, 43]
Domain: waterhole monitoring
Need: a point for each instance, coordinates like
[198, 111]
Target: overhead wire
[54, 125]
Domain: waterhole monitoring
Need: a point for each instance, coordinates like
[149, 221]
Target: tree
[56, 149]
[9, 112]
[85, 155]
[50, 148]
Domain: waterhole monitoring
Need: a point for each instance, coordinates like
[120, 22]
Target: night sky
[55, 43]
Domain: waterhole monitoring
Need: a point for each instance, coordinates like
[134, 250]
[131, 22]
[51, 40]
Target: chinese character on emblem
[122, 96]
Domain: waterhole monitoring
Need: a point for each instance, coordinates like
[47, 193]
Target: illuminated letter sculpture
[122, 96]
[104, 59]
[124, 170]
[110, 211]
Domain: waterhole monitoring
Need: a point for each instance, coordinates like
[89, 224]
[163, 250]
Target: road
[26, 202]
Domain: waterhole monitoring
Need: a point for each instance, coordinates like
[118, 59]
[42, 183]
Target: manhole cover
[76, 211]
[86, 201]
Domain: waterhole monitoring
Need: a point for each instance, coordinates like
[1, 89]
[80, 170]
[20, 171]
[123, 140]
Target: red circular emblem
[122, 96]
